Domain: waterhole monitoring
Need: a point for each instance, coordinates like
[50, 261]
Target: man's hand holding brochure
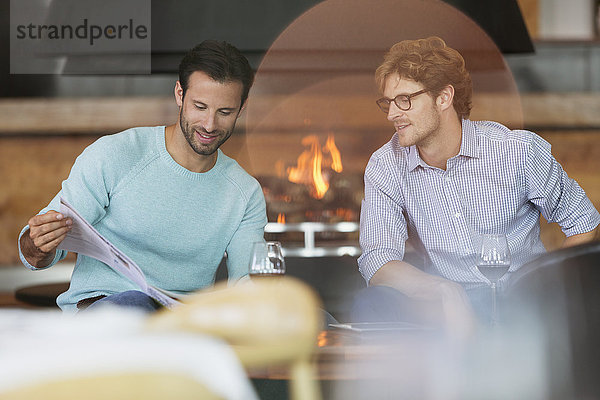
[83, 238]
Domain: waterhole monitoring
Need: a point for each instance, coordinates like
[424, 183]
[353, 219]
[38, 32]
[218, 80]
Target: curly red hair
[432, 63]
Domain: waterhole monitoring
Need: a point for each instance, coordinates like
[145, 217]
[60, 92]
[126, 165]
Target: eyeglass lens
[402, 101]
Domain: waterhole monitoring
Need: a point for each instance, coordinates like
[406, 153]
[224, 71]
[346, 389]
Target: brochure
[83, 238]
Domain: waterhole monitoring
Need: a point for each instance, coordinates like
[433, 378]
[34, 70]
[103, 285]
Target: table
[42, 295]
[341, 355]
[424, 365]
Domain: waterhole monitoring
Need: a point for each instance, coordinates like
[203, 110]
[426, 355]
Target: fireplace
[313, 204]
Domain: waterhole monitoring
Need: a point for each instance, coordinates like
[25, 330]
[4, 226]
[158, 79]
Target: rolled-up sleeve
[559, 198]
[383, 230]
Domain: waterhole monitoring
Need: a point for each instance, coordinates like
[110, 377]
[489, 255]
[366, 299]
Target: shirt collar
[469, 146]
[414, 159]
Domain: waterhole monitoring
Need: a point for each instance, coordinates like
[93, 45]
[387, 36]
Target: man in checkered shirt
[441, 182]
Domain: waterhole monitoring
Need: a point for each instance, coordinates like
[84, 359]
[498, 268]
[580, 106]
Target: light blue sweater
[175, 224]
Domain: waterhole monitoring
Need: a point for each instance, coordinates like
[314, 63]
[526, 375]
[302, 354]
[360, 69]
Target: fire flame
[336, 157]
[281, 218]
[309, 168]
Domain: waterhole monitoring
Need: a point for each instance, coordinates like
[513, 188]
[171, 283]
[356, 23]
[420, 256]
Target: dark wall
[17, 85]
[178, 25]
[252, 26]
[502, 20]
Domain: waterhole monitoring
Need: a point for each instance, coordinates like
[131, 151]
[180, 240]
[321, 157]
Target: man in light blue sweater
[166, 196]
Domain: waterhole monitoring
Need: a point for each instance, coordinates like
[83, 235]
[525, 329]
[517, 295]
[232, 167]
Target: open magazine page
[83, 238]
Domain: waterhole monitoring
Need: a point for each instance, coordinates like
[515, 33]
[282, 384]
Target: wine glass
[267, 260]
[493, 261]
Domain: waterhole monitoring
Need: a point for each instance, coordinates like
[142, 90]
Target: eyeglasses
[402, 101]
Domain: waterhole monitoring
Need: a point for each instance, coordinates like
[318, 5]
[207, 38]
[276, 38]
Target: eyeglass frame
[387, 102]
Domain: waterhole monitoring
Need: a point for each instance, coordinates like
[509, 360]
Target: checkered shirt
[500, 182]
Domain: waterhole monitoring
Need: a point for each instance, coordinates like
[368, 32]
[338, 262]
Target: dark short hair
[432, 63]
[221, 61]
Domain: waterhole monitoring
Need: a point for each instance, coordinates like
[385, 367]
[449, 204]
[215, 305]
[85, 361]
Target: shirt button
[447, 179]
[457, 214]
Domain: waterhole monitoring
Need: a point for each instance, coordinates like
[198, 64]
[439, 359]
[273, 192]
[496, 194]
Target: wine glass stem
[494, 309]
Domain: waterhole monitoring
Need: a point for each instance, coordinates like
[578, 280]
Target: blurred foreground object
[109, 354]
[560, 293]
[269, 322]
[112, 353]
